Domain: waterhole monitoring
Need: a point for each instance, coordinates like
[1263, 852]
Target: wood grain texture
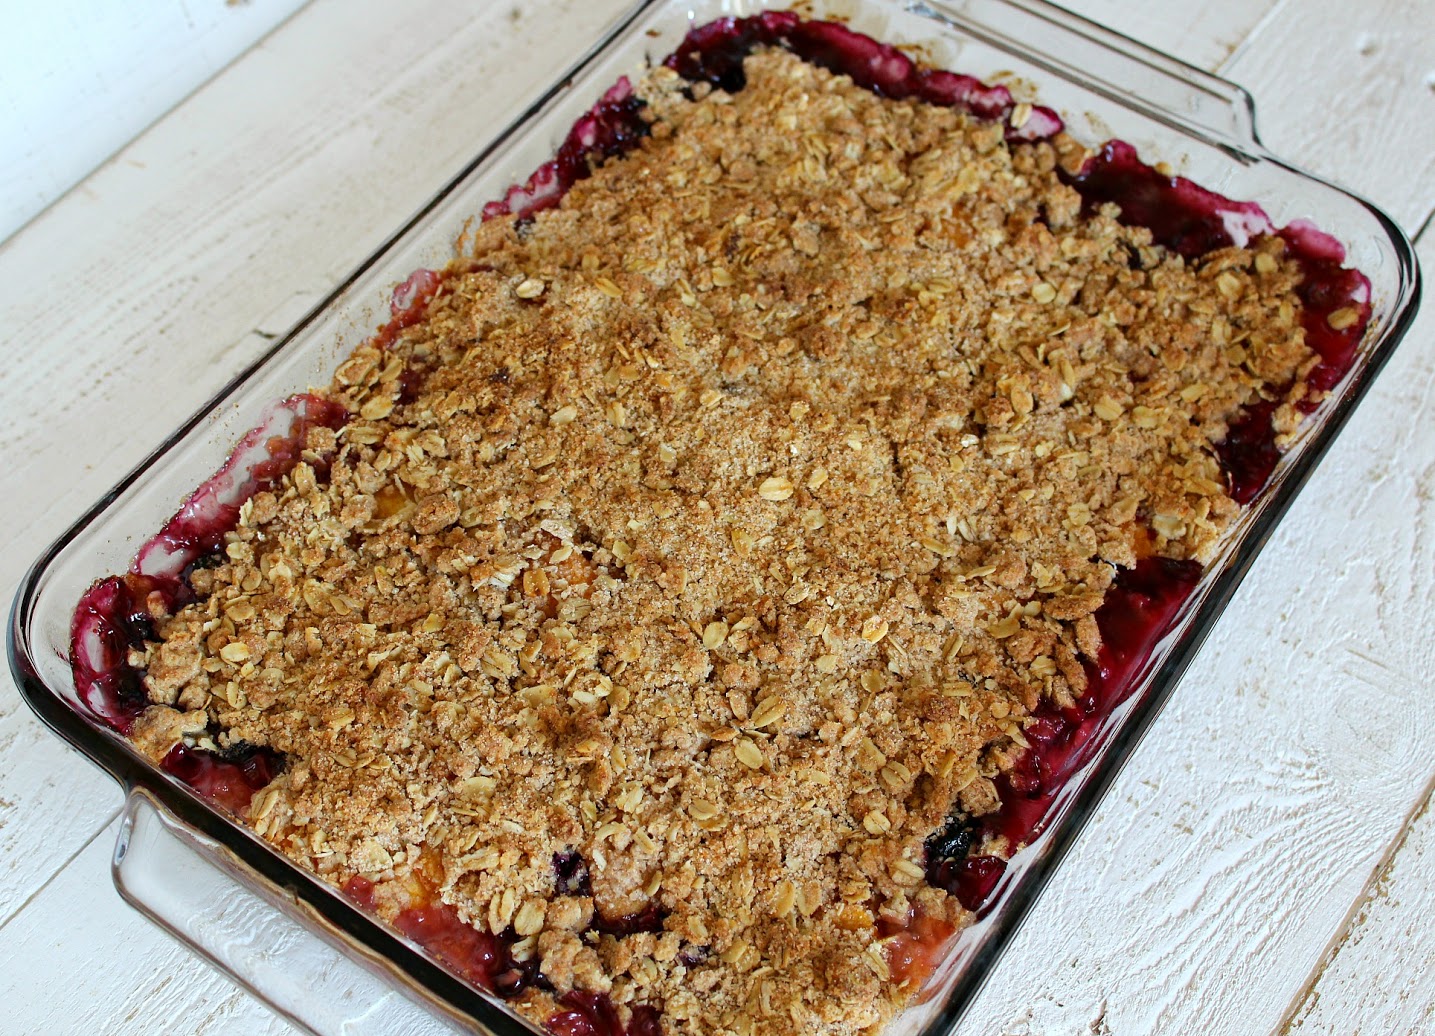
[1200, 34]
[1226, 861]
[1391, 934]
[72, 93]
[1360, 106]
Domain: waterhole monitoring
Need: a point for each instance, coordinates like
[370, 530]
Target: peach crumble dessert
[678, 614]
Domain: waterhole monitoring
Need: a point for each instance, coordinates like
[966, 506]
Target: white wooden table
[1267, 861]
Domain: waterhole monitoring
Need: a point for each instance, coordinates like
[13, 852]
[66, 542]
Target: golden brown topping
[753, 498]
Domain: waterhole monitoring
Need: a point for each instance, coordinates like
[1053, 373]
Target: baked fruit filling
[677, 615]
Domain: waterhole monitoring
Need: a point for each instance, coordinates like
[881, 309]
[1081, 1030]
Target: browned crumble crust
[753, 498]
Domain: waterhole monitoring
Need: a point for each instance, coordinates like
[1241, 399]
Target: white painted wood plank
[97, 966]
[162, 276]
[1165, 920]
[1229, 853]
[1201, 34]
[51, 798]
[79, 79]
[1391, 935]
[1350, 89]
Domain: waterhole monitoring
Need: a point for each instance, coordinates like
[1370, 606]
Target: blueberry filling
[571, 877]
[951, 866]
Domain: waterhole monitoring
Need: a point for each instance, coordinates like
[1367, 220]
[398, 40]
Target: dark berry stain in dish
[951, 842]
[230, 778]
[1141, 606]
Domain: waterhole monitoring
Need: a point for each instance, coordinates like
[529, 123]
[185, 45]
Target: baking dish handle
[1108, 63]
[179, 881]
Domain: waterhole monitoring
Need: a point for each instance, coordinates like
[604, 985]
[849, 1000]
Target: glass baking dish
[178, 857]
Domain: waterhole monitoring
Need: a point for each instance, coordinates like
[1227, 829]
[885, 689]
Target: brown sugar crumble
[719, 528]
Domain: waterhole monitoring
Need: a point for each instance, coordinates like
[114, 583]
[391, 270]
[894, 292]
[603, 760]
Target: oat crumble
[749, 502]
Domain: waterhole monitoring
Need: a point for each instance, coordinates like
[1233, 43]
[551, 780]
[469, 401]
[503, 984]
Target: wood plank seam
[1417, 238]
[159, 117]
[1380, 873]
[64, 864]
[1238, 51]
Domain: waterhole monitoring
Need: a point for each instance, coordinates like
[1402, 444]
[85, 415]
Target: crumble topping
[718, 529]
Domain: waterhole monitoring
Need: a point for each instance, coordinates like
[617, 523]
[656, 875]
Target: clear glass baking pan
[308, 951]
